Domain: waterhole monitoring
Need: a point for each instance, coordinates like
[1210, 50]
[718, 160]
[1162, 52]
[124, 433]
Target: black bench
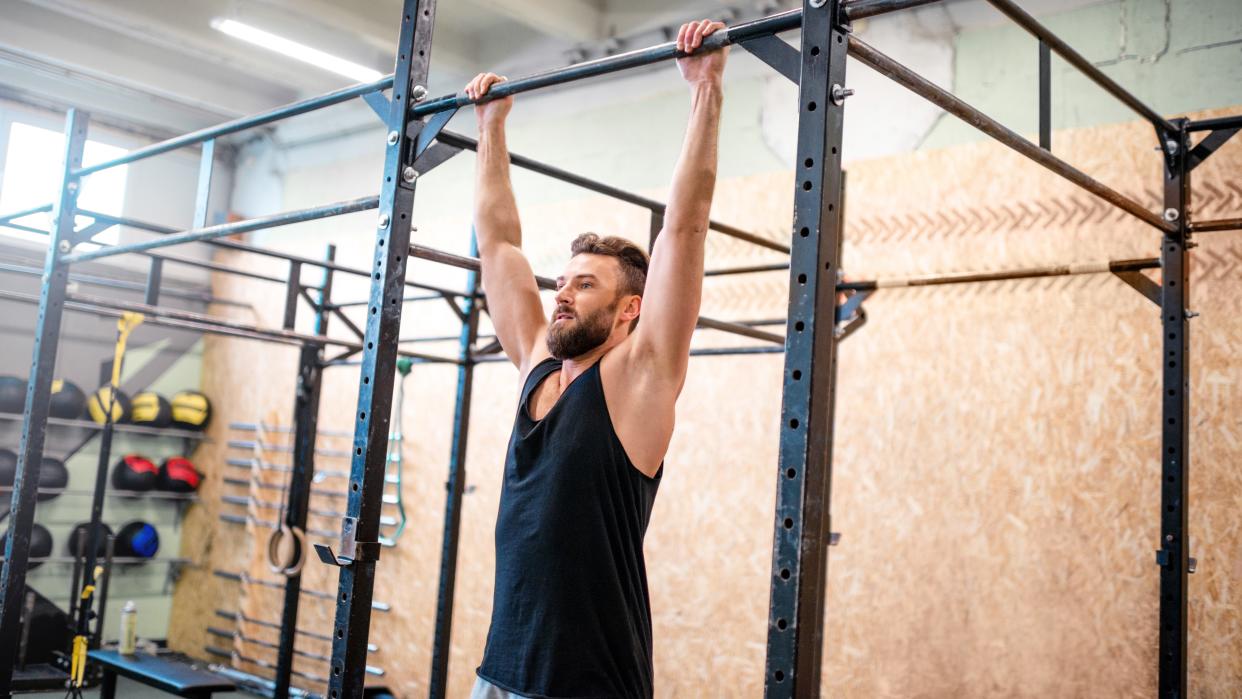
[168, 673]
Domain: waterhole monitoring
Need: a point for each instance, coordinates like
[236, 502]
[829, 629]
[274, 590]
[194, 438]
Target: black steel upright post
[305, 432]
[360, 527]
[1173, 556]
[38, 397]
[799, 554]
[456, 487]
[1045, 96]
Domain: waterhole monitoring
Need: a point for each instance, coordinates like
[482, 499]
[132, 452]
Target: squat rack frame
[416, 141]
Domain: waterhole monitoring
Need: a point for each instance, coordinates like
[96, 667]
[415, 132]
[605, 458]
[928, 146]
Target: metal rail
[219, 231]
[473, 264]
[242, 124]
[667, 51]
[460, 141]
[955, 106]
[1087, 68]
[1028, 273]
[1224, 224]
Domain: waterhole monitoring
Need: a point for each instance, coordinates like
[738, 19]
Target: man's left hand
[704, 67]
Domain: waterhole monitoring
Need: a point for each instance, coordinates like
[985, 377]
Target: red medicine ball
[178, 475]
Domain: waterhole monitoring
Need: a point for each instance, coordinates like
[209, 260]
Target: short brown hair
[632, 258]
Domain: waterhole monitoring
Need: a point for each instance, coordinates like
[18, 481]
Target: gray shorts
[486, 690]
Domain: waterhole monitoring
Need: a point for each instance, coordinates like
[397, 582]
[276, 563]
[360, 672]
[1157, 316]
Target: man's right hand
[492, 112]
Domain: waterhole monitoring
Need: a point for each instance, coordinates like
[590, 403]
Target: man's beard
[575, 338]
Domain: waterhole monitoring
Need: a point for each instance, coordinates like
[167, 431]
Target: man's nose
[562, 296]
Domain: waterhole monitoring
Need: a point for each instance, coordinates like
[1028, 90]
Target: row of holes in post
[1171, 654]
[339, 667]
[799, 326]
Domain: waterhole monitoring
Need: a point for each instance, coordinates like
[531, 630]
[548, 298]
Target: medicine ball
[191, 410]
[97, 406]
[137, 539]
[40, 545]
[151, 409]
[8, 468]
[52, 476]
[68, 401]
[12, 394]
[81, 533]
[178, 475]
[135, 472]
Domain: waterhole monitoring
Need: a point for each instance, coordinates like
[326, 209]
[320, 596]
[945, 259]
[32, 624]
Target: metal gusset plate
[1140, 283]
[776, 53]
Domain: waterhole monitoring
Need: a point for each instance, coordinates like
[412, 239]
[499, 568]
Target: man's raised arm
[674, 289]
[512, 294]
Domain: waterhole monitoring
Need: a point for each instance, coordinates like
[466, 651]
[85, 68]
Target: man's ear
[633, 306]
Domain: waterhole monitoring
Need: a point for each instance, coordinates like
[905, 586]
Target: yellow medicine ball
[98, 404]
[150, 408]
[191, 410]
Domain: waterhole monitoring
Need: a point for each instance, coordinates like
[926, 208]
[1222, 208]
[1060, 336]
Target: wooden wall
[997, 467]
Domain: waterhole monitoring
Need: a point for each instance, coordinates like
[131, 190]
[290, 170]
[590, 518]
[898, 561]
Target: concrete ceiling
[158, 65]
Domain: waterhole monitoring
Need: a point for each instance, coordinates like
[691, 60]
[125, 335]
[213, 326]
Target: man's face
[586, 305]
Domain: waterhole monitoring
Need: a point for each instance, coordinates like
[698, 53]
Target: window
[31, 176]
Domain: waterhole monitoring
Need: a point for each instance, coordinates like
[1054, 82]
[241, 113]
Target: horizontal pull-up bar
[1028, 273]
[1029, 23]
[459, 141]
[221, 230]
[774, 24]
[473, 264]
[188, 320]
[955, 106]
[265, 252]
[1225, 122]
[5, 219]
[248, 122]
[862, 9]
[1223, 224]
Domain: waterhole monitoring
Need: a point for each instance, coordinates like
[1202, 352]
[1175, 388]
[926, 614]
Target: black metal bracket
[435, 155]
[782, 57]
[457, 310]
[352, 550]
[1140, 283]
[89, 231]
[1208, 146]
[422, 134]
[378, 104]
[1163, 559]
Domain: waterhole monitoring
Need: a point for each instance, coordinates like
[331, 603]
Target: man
[571, 616]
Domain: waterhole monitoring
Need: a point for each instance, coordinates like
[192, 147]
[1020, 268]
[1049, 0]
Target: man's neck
[574, 367]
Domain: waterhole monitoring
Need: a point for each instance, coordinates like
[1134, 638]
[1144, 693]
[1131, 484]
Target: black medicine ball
[135, 472]
[191, 410]
[12, 394]
[178, 475]
[97, 406]
[52, 476]
[81, 536]
[8, 468]
[40, 545]
[68, 401]
[137, 539]
[151, 409]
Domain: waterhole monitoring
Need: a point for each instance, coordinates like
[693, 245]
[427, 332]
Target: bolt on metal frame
[802, 528]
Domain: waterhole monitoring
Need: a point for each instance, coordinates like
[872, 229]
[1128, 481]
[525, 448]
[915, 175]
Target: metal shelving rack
[416, 143]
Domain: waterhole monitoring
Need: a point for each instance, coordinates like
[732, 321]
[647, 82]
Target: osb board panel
[996, 464]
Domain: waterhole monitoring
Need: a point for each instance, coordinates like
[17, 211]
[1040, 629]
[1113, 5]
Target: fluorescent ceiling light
[293, 49]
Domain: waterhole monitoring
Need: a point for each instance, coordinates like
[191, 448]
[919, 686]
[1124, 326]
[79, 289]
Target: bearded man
[571, 615]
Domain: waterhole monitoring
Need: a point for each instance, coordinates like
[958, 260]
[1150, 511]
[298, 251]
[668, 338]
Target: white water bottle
[129, 628]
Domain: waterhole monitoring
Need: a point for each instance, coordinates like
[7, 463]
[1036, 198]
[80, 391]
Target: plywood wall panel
[997, 455]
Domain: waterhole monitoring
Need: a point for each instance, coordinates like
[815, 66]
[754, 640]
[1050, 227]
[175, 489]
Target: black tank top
[570, 613]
